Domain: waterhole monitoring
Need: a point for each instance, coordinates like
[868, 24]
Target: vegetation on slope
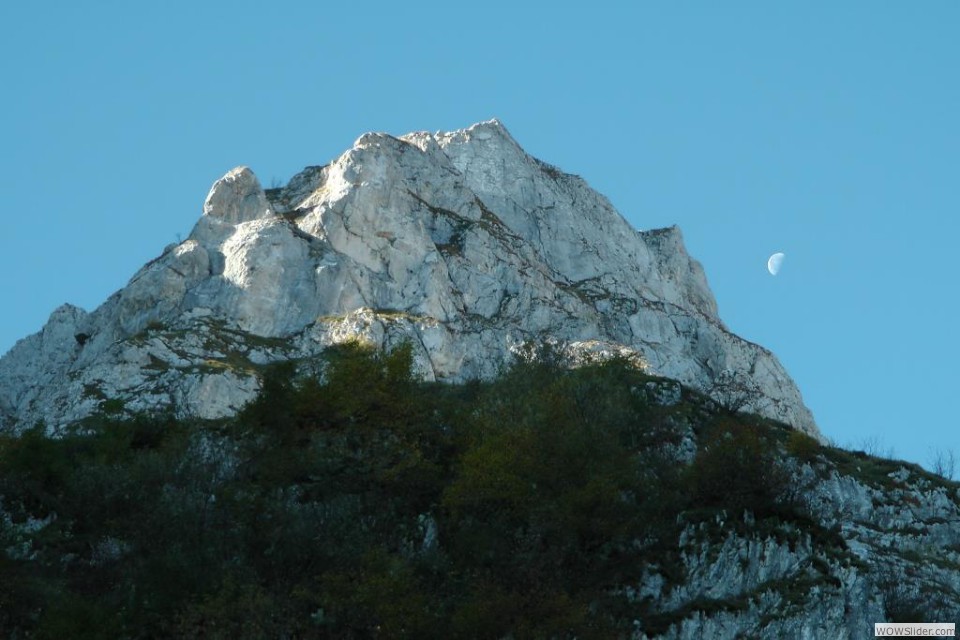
[373, 505]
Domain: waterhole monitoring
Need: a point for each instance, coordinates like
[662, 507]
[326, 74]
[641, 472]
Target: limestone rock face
[460, 243]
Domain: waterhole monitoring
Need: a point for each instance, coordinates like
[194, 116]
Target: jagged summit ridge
[459, 242]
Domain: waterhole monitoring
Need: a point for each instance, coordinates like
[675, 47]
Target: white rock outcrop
[459, 242]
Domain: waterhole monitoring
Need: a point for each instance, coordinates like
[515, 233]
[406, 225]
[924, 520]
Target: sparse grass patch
[871, 471]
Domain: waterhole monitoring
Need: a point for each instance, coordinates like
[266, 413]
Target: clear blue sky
[828, 131]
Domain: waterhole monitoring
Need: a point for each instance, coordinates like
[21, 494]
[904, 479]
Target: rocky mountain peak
[237, 197]
[459, 243]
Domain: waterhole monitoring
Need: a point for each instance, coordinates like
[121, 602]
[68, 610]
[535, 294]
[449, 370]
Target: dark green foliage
[738, 468]
[549, 508]
[802, 446]
[367, 504]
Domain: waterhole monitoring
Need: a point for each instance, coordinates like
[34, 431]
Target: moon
[774, 263]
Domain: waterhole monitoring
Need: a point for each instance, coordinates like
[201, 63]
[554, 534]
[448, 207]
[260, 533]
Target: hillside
[547, 502]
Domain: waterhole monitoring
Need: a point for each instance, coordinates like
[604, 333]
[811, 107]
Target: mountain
[460, 243]
[256, 436]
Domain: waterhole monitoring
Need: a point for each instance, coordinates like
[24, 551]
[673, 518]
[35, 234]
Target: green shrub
[737, 468]
[73, 616]
[238, 610]
[802, 446]
[112, 406]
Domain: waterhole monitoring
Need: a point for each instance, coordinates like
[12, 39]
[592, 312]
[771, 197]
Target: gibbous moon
[774, 263]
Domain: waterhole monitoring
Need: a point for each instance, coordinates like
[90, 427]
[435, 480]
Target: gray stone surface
[891, 545]
[459, 242]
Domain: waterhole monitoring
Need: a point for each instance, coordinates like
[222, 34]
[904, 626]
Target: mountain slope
[596, 502]
[459, 242]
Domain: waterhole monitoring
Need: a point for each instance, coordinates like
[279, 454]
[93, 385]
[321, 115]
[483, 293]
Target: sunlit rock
[459, 243]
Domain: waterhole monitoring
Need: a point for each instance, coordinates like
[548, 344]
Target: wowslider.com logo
[914, 630]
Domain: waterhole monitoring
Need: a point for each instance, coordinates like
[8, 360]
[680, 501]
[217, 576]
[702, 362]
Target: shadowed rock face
[459, 242]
